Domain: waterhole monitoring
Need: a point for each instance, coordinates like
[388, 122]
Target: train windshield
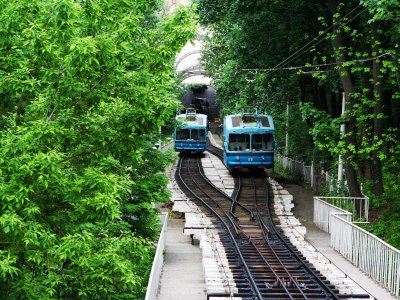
[239, 142]
[199, 134]
[262, 142]
[183, 134]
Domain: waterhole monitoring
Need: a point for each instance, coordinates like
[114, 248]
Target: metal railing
[194, 70]
[296, 167]
[164, 146]
[376, 258]
[316, 177]
[323, 211]
[357, 206]
[367, 252]
[155, 274]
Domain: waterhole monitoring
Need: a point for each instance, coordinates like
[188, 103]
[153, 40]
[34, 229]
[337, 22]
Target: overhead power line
[269, 70]
[319, 65]
[315, 41]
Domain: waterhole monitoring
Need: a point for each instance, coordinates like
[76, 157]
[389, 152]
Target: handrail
[379, 260]
[155, 274]
[375, 257]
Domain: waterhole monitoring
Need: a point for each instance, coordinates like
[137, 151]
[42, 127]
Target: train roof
[246, 121]
[192, 119]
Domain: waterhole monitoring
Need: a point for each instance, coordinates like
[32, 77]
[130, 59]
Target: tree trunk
[368, 125]
[378, 111]
[338, 44]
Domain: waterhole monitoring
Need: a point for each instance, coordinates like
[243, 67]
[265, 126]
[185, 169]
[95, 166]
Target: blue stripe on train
[249, 160]
[183, 146]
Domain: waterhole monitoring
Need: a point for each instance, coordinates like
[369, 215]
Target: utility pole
[287, 129]
[342, 129]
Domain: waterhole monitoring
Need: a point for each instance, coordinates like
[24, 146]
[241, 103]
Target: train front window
[239, 142]
[262, 142]
[199, 134]
[182, 134]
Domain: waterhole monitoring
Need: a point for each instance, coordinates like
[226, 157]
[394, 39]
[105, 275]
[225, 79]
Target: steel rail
[215, 150]
[261, 223]
[319, 287]
[218, 153]
[278, 278]
[201, 172]
[282, 283]
[253, 284]
[235, 201]
[199, 169]
[326, 289]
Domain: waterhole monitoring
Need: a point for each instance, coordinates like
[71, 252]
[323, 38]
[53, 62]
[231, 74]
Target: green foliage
[253, 45]
[85, 86]
[325, 130]
[294, 178]
[247, 35]
[196, 87]
[382, 9]
[387, 227]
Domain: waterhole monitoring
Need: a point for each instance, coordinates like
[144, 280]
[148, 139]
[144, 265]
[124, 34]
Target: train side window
[199, 134]
[232, 138]
[232, 144]
[267, 139]
[183, 134]
[262, 142]
[239, 142]
[202, 134]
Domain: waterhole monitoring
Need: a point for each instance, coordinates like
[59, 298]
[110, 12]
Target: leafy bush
[85, 87]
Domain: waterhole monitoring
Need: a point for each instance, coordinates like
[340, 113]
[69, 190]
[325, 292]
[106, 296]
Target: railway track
[263, 264]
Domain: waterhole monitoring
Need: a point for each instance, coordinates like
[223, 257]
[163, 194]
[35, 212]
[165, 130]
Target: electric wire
[317, 40]
[319, 65]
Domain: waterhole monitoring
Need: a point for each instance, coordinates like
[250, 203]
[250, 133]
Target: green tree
[84, 87]
[260, 57]
[258, 35]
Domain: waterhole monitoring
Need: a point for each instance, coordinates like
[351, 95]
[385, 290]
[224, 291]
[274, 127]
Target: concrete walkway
[304, 210]
[182, 277]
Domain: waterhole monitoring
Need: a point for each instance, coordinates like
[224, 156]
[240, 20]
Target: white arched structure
[188, 61]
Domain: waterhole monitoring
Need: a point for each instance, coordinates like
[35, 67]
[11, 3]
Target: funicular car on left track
[190, 135]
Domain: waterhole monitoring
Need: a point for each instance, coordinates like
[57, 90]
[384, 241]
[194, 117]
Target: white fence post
[312, 174]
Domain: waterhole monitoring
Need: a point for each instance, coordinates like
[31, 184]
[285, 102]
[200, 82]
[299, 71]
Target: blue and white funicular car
[249, 141]
[191, 133]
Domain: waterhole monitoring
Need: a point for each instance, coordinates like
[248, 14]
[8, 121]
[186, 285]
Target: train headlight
[263, 158]
[237, 157]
